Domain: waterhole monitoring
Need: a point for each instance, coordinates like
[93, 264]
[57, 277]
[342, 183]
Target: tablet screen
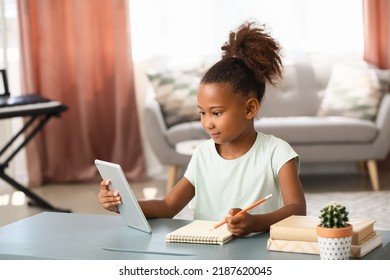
[129, 209]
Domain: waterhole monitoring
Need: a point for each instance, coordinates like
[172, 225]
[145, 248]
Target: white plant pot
[334, 248]
[334, 243]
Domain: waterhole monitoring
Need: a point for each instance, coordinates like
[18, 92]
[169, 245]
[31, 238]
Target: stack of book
[298, 234]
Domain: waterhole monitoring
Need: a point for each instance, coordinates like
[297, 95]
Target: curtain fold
[79, 53]
[376, 16]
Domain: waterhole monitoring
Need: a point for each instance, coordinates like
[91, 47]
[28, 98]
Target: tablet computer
[129, 209]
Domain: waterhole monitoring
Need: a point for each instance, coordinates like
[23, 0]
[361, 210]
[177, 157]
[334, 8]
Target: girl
[238, 165]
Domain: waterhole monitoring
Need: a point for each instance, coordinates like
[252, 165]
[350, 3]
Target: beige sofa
[299, 110]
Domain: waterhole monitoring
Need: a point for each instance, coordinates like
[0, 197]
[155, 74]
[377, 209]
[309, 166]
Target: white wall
[9, 127]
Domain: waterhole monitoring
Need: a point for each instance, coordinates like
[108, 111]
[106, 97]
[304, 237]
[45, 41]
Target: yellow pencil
[244, 210]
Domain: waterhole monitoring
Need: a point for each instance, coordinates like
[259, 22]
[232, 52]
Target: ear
[252, 106]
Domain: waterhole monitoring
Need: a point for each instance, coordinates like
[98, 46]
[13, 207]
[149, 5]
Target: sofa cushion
[313, 130]
[353, 91]
[297, 94]
[176, 94]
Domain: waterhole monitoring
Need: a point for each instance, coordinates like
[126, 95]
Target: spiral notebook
[199, 231]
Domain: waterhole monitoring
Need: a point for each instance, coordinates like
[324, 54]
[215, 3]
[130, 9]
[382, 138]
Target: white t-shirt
[222, 184]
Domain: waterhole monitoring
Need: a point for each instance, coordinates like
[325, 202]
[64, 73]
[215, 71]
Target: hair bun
[257, 49]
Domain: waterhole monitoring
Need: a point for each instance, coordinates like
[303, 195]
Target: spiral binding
[193, 239]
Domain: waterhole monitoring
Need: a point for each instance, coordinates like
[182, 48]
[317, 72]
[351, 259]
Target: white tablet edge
[129, 209]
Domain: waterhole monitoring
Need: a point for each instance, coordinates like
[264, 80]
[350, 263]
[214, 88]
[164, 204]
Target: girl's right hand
[108, 199]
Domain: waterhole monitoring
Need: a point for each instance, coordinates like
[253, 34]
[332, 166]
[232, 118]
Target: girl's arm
[179, 196]
[294, 204]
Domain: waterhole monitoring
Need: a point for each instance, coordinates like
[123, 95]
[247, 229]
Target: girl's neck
[237, 148]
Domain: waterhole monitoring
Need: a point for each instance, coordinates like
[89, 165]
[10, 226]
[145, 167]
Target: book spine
[305, 247]
[366, 247]
[298, 234]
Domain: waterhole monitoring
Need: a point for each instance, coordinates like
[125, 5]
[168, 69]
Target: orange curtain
[377, 32]
[78, 53]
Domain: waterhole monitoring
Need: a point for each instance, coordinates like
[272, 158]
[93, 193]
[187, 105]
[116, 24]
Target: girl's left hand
[239, 225]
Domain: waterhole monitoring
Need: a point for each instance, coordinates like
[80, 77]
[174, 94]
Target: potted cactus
[334, 233]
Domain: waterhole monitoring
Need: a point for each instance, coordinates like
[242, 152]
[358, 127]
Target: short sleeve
[191, 168]
[282, 153]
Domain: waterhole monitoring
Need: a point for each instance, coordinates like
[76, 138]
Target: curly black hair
[250, 59]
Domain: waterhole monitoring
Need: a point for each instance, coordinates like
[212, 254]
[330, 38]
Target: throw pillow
[353, 91]
[176, 92]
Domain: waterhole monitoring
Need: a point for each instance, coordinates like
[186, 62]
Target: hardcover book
[308, 247]
[303, 228]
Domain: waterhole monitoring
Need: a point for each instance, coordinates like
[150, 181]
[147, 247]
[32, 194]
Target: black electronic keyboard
[39, 110]
[32, 109]
[11, 101]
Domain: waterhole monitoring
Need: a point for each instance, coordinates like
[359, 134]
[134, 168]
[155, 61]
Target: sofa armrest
[154, 116]
[156, 131]
[382, 143]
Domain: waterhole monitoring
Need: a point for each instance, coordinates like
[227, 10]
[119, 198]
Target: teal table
[52, 235]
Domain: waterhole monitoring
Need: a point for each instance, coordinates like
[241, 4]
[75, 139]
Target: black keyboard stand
[38, 115]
